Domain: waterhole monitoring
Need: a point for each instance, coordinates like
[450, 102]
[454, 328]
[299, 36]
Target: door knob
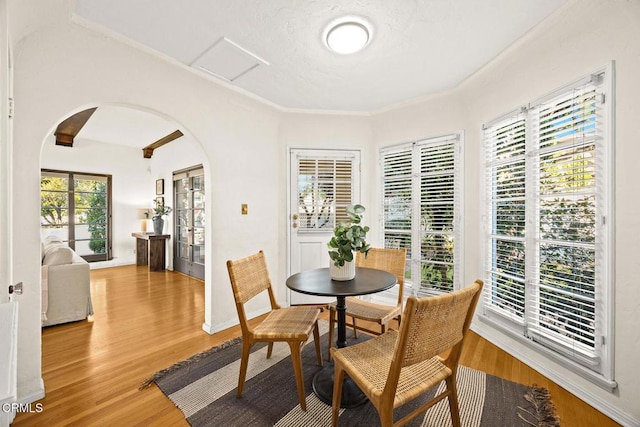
[295, 225]
[16, 289]
[294, 216]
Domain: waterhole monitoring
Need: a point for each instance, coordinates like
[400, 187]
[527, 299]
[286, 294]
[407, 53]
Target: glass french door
[189, 202]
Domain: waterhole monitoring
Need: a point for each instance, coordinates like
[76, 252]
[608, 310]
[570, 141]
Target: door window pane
[189, 224]
[324, 191]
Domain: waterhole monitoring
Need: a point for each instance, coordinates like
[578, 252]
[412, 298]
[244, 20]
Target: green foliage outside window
[54, 205]
[97, 218]
[89, 202]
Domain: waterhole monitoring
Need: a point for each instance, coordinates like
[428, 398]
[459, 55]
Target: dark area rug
[204, 389]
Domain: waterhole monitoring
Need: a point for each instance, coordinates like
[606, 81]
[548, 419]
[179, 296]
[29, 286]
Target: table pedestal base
[323, 388]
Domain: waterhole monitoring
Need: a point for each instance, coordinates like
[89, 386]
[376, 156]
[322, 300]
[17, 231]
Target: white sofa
[66, 289]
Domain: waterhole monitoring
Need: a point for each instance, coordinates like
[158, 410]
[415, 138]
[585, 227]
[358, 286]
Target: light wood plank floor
[146, 321]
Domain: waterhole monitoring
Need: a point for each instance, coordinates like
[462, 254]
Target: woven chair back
[432, 325]
[390, 260]
[249, 276]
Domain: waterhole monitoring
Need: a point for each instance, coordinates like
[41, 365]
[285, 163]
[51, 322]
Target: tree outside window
[86, 230]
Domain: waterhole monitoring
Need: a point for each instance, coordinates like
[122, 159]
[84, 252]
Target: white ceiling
[418, 47]
[125, 126]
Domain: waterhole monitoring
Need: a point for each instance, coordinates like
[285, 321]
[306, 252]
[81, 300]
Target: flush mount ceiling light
[347, 35]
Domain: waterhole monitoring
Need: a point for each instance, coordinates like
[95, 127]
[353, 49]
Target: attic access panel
[227, 60]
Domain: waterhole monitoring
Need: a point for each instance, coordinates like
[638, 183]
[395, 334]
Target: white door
[322, 184]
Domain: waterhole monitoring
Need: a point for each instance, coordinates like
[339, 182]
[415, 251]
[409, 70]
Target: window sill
[546, 369]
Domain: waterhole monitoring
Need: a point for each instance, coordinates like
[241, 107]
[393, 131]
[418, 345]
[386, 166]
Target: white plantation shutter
[397, 197]
[422, 193]
[325, 188]
[440, 191]
[567, 138]
[505, 185]
[547, 220]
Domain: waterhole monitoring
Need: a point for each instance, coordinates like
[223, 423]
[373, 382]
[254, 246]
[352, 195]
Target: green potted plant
[347, 238]
[159, 211]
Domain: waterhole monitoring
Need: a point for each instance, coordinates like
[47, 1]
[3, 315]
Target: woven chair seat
[370, 311]
[371, 361]
[287, 323]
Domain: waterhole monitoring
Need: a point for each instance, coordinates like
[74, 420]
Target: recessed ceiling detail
[227, 60]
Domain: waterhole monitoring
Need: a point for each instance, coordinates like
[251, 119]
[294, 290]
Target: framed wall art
[159, 187]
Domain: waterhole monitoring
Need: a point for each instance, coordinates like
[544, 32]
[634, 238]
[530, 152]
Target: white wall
[582, 37]
[132, 185]
[63, 68]
[321, 131]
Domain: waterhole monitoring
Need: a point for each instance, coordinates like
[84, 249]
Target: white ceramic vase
[344, 273]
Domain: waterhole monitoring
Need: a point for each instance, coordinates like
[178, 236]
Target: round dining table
[318, 282]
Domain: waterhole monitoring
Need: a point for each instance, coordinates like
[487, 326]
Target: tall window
[76, 208]
[421, 184]
[548, 222]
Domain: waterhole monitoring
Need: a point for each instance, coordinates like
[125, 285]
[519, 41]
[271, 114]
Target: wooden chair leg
[337, 395]
[296, 359]
[355, 327]
[383, 328]
[246, 348]
[269, 350]
[453, 401]
[386, 416]
[332, 324]
[316, 339]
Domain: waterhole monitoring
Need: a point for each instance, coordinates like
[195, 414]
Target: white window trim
[604, 378]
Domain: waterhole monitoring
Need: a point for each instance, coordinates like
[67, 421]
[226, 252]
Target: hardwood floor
[146, 321]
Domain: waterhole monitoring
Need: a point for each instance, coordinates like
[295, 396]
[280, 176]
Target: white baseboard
[34, 395]
[208, 328]
[212, 329]
[606, 408]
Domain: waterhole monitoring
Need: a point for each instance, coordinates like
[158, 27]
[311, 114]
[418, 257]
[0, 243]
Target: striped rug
[204, 389]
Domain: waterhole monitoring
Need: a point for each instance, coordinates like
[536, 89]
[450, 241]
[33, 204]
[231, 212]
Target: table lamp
[143, 216]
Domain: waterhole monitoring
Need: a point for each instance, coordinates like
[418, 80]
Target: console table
[151, 250]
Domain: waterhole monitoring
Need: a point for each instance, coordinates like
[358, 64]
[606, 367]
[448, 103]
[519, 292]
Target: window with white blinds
[548, 187]
[325, 188]
[421, 196]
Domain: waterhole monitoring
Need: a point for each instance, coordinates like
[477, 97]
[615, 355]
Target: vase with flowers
[159, 210]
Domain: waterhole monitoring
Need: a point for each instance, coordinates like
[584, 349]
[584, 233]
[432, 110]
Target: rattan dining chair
[394, 368]
[249, 277]
[390, 260]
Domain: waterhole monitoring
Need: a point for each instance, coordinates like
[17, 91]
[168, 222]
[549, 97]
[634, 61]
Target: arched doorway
[128, 144]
